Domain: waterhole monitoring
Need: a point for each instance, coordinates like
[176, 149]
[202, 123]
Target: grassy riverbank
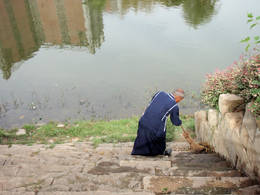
[123, 130]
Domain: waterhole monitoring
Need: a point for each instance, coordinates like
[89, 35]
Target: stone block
[16, 193]
[228, 138]
[206, 132]
[249, 124]
[8, 171]
[230, 147]
[244, 136]
[221, 139]
[257, 153]
[251, 190]
[213, 118]
[234, 145]
[93, 193]
[258, 123]
[229, 102]
[233, 120]
[171, 184]
[250, 159]
[200, 117]
[145, 163]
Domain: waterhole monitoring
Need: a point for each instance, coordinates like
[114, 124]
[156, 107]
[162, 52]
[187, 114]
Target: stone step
[181, 157]
[86, 193]
[211, 162]
[251, 190]
[145, 163]
[175, 171]
[76, 193]
[194, 185]
[189, 154]
[28, 170]
[178, 146]
[195, 164]
[218, 166]
[16, 193]
[184, 156]
[21, 183]
[95, 193]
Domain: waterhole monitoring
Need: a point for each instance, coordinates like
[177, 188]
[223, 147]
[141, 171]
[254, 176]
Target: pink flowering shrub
[241, 78]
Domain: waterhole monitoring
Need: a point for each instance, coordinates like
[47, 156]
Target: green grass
[112, 131]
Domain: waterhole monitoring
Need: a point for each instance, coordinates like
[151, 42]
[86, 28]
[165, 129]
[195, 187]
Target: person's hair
[179, 92]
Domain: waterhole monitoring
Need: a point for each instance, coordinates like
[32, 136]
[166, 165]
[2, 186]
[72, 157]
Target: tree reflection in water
[26, 25]
[198, 12]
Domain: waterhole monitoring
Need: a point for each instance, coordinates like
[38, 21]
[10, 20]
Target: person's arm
[175, 118]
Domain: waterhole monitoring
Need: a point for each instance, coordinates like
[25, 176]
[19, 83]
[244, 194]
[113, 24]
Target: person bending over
[151, 134]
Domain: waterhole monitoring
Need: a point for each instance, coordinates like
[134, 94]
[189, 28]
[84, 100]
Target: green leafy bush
[241, 78]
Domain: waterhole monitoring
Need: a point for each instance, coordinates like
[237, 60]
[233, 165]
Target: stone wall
[235, 135]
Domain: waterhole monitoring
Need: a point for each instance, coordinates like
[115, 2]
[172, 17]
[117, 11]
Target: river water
[103, 59]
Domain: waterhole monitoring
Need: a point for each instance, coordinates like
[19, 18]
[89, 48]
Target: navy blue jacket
[151, 135]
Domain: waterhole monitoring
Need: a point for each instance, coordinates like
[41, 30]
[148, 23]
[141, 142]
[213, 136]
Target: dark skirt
[147, 143]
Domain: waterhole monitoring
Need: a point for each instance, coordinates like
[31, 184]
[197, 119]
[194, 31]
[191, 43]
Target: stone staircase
[79, 168]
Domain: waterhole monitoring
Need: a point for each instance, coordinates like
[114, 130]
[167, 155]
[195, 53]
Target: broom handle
[188, 138]
[183, 129]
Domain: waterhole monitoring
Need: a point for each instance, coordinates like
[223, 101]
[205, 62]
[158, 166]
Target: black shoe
[167, 152]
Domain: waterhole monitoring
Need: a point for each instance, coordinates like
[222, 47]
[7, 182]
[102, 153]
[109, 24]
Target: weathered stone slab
[251, 190]
[258, 122]
[17, 193]
[249, 125]
[145, 164]
[244, 136]
[8, 171]
[229, 102]
[234, 120]
[53, 188]
[27, 170]
[207, 132]
[211, 162]
[160, 184]
[175, 171]
[213, 118]
[11, 183]
[95, 193]
[179, 146]
[257, 154]
[200, 117]
[230, 136]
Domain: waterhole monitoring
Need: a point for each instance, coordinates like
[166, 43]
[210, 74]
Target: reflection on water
[198, 12]
[26, 25]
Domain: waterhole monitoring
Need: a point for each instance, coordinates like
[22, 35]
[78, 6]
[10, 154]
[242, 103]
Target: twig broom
[196, 147]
